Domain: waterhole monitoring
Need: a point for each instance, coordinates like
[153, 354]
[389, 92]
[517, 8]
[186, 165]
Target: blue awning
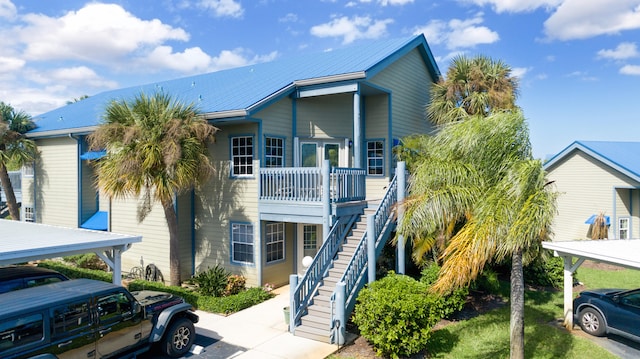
[93, 155]
[99, 222]
[592, 219]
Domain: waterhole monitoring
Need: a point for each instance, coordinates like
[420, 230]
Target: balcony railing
[305, 184]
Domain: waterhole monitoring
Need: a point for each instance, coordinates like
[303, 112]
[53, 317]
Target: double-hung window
[623, 228]
[274, 241]
[242, 156]
[375, 158]
[242, 243]
[274, 152]
[29, 214]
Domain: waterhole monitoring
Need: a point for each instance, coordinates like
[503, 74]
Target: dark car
[609, 311]
[84, 318]
[20, 277]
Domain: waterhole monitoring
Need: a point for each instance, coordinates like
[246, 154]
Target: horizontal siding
[586, 187]
[89, 193]
[277, 121]
[376, 187]
[325, 116]
[278, 273]
[56, 176]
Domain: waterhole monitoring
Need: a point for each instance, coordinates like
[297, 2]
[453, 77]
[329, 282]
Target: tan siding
[277, 121]
[325, 117]
[184, 212]
[376, 187]
[222, 201]
[57, 182]
[586, 188]
[409, 82]
[89, 200]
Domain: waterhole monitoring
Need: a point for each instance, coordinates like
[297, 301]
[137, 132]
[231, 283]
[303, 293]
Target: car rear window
[20, 331]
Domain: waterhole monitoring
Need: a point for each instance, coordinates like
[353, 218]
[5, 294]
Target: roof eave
[62, 132]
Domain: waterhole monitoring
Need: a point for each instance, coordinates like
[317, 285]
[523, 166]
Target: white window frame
[242, 234]
[274, 242]
[623, 227]
[240, 158]
[269, 149]
[371, 156]
[28, 169]
[29, 214]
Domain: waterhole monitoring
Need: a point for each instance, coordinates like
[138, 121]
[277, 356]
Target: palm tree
[156, 148]
[479, 187]
[15, 149]
[473, 86]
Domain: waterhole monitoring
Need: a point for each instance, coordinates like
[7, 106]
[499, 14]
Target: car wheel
[591, 322]
[179, 337]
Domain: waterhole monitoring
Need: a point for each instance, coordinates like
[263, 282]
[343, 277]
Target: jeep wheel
[179, 337]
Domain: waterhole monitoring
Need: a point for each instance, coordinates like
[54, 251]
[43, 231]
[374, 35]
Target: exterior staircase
[317, 324]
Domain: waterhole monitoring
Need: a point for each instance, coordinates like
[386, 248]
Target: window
[310, 237]
[274, 241]
[242, 243]
[21, 330]
[623, 228]
[274, 152]
[375, 158]
[242, 156]
[29, 214]
[71, 317]
[113, 306]
[28, 169]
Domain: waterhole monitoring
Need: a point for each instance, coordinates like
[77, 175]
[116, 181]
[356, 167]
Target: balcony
[309, 192]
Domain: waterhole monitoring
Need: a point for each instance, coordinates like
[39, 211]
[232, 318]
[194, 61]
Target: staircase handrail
[314, 274]
[354, 274]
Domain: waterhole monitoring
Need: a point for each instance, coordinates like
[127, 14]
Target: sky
[577, 61]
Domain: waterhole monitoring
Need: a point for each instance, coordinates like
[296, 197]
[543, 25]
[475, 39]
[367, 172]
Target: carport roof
[24, 241]
[622, 252]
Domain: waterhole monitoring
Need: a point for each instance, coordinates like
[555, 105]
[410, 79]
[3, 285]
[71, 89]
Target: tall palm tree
[473, 86]
[479, 187]
[15, 149]
[156, 149]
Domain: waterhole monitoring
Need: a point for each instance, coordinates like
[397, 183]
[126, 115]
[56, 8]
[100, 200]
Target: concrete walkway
[258, 332]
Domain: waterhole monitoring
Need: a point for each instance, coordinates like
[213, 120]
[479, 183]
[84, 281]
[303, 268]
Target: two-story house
[306, 144]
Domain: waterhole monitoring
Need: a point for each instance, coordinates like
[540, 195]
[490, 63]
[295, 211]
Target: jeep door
[72, 330]
[119, 326]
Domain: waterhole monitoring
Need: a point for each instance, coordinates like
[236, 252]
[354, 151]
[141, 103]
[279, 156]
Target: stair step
[313, 333]
[322, 300]
[326, 290]
[316, 322]
[319, 311]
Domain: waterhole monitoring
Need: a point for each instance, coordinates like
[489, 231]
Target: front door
[309, 241]
[313, 153]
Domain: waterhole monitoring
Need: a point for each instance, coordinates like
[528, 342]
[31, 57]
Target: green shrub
[189, 296]
[87, 261]
[75, 272]
[213, 281]
[234, 303]
[450, 303]
[545, 272]
[396, 314]
[487, 282]
[235, 284]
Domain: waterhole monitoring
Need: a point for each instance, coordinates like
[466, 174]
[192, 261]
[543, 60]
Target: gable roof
[238, 92]
[621, 156]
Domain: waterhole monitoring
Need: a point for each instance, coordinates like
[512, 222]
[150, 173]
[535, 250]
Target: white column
[401, 183]
[357, 132]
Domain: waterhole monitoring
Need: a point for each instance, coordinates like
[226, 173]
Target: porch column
[326, 197]
[357, 132]
[402, 180]
[371, 248]
[569, 269]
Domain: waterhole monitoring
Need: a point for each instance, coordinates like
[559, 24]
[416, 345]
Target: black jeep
[84, 318]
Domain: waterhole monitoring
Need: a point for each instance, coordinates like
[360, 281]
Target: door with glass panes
[309, 241]
[313, 153]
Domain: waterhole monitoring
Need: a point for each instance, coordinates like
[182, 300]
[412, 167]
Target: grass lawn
[487, 335]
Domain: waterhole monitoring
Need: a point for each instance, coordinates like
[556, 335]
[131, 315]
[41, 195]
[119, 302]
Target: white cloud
[520, 72]
[96, 33]
[238, 57]
[457, 33]
[500, 6]
[10, 64]
[579, 19]
[624, 50]
[290, 17]
[222, 8]
[7, 10]
[630, 70]
[80, 76]
[394, 2]
[351, 29]
[191, 60]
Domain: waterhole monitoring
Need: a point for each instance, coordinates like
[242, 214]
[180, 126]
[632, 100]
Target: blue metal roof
[245, 87]
[622, 156]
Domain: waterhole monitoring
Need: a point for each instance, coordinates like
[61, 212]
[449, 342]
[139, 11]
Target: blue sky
[578, 61]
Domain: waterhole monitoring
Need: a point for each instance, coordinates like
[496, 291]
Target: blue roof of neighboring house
[622, 156]
[244, 88]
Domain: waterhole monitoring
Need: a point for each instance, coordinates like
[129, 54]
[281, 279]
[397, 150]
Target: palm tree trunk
[517, 306]
[7, 187]
[174, 243]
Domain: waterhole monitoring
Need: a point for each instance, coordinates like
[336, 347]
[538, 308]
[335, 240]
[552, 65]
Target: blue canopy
[93, 155]
[99, 222]
[592, 219]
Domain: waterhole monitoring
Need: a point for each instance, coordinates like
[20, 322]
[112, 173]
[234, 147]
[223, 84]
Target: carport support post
[569, 269]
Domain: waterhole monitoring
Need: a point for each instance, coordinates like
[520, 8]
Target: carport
[620, 252]
[24, 241]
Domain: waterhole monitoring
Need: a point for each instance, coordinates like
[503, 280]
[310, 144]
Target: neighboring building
[596, 177]
[278, 121]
